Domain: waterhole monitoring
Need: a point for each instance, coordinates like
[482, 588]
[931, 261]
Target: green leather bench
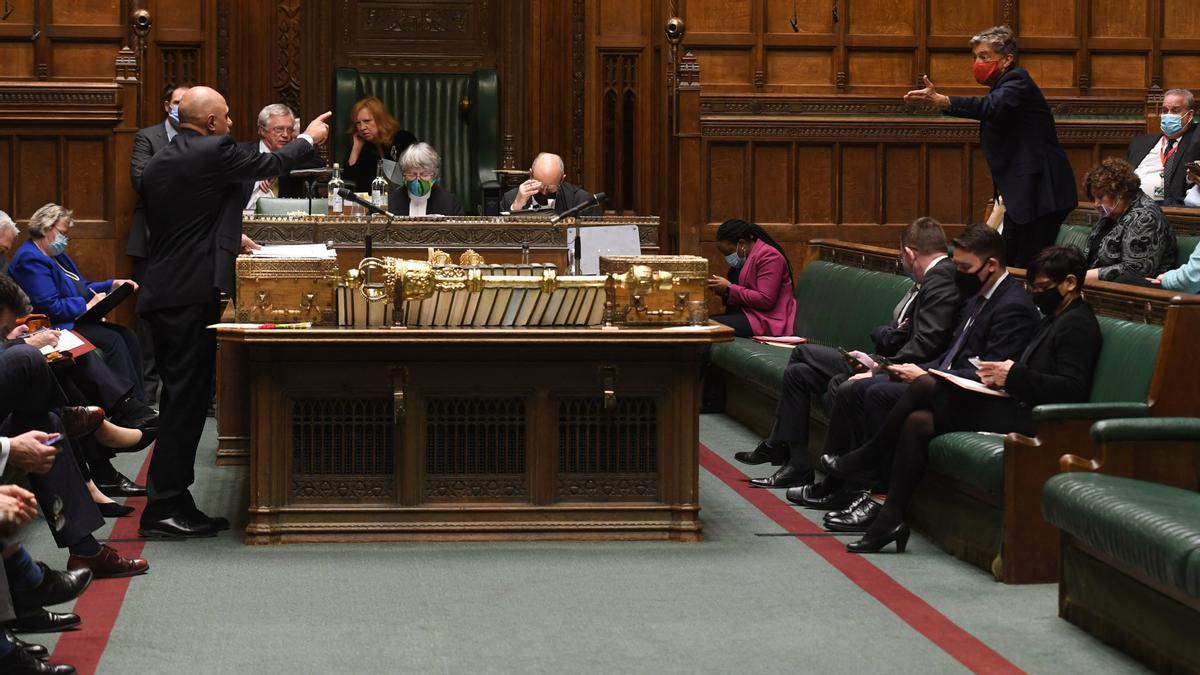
[825, 291]
[1077, 236]
[457, 113]
[1131, 548]
[961, 504]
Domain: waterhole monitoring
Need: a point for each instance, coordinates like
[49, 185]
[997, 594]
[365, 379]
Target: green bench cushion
[761, 365]
[1150, 527]
[1126, 363]
[974, 458]
[837, 305]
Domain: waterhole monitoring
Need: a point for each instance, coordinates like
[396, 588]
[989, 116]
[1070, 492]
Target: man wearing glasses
[276, 128]
[547, 189]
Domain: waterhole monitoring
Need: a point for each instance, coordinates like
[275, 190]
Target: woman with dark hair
[761, 302]
[1056, 367]
[1133, 239]
[376, 135]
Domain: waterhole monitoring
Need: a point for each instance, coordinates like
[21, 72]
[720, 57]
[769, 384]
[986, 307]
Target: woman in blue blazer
[59, 290]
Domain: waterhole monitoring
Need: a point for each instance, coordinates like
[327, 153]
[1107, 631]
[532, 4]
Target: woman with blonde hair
[376, 135]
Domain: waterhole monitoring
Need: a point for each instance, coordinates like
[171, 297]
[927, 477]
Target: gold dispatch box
[682, 303]
[286, 290]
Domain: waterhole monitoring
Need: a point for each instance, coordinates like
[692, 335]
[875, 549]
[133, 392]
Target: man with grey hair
[547, 188]
[1161, 160]
[1030, 170]
[277, 126]
[8, 235]
[421, 194]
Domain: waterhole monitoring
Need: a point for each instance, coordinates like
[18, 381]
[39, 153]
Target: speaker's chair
[457, 113]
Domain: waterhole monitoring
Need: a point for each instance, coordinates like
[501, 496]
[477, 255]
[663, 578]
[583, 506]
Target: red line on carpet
[100, 605]
[920, 615]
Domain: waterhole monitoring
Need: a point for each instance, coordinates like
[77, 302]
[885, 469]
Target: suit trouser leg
[809, 371]
[121, 351]
[146, 338]
[185, 351]
[26, 382]
[847, 415]
[1022, 242]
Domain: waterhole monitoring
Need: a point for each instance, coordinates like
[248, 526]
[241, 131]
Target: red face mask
[986, 72]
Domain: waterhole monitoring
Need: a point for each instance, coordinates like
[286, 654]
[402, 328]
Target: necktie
[1170, 162]
[972, 310]
[901, 310]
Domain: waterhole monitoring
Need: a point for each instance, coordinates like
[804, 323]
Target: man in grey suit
[146, 143]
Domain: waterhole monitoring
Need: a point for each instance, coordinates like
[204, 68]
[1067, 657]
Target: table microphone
[347, 193]
[588, 203]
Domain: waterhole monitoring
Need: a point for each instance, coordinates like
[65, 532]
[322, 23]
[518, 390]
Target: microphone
[346, 193]
[587, 203]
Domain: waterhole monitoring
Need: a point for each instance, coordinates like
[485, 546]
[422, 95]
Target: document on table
[970, 385]
[295, 251]
[66, 342]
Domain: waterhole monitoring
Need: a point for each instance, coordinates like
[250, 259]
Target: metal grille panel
[592, 440]
[347, 436]
[477, 436]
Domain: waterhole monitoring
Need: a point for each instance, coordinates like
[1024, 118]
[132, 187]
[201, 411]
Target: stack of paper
[295, 251]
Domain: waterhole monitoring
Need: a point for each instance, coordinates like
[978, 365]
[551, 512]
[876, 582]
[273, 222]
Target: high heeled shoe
[898, 534]
[114, 510]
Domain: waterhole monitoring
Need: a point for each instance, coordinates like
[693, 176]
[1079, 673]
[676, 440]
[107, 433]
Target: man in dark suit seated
[547, 188]
[194, 197]
[1161, 160]
[996, 323]
[276, 128]
[920, 330]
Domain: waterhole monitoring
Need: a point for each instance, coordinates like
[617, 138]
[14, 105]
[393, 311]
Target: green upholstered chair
[281, 206]
[457, 113]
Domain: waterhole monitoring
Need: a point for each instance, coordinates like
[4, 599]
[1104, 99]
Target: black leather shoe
[41, 621]
[219, 524]
[898, 534]
[831, 465]
[36, 651]
[121, 486]
[857, 520]
[134, 414]
[114, 510]
[796, 495]
[81, 420]
[55, 589]
[787, 476]
[176, 527]
[857, 498]
[20, 662]
[763, 454]
[836, 500]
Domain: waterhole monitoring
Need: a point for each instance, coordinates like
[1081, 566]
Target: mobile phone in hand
[856, 363]
[974, 361]
[53, 439]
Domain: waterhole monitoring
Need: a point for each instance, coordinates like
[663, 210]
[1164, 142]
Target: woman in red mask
[1020, 142]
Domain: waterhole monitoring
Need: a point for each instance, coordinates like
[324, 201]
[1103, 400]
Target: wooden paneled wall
[802, 127]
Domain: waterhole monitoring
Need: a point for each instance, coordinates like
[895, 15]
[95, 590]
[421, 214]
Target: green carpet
[737, 602]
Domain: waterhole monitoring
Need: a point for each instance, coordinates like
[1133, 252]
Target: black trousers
[812, 371]
[858, 411]
[739, 322]
[122, 352]
[28, 393]
[150, 377]
[1023, 241]
[185, 350]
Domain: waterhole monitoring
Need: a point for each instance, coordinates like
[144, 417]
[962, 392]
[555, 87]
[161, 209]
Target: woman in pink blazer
[760, 300]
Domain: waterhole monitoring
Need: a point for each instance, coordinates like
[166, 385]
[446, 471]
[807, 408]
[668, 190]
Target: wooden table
[395, 434]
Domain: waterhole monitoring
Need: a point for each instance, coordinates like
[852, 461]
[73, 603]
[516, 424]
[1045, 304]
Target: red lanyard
[1164, 154]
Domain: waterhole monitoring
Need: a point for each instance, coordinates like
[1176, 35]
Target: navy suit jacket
[194, 192]
[50, 290]
[1020, 142]
[1002, 329]
[146, 143]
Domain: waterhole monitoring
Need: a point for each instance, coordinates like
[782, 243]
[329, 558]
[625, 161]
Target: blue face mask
[735, 261]
[421, 187]
[174, 114]
[59, 245]
[1170, 124]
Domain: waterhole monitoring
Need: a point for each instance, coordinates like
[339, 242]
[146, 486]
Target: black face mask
[1047, 300]
[969, 283]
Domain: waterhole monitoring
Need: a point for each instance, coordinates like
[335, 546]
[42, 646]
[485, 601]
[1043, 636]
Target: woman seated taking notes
[1056, 367]
[56, 288]
[761, 302]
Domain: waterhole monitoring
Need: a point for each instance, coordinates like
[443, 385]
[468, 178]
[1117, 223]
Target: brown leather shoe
[81, 420]
[108, 564]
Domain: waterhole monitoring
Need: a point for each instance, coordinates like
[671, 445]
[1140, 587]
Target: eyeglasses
[414, 175]
[279, 131]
